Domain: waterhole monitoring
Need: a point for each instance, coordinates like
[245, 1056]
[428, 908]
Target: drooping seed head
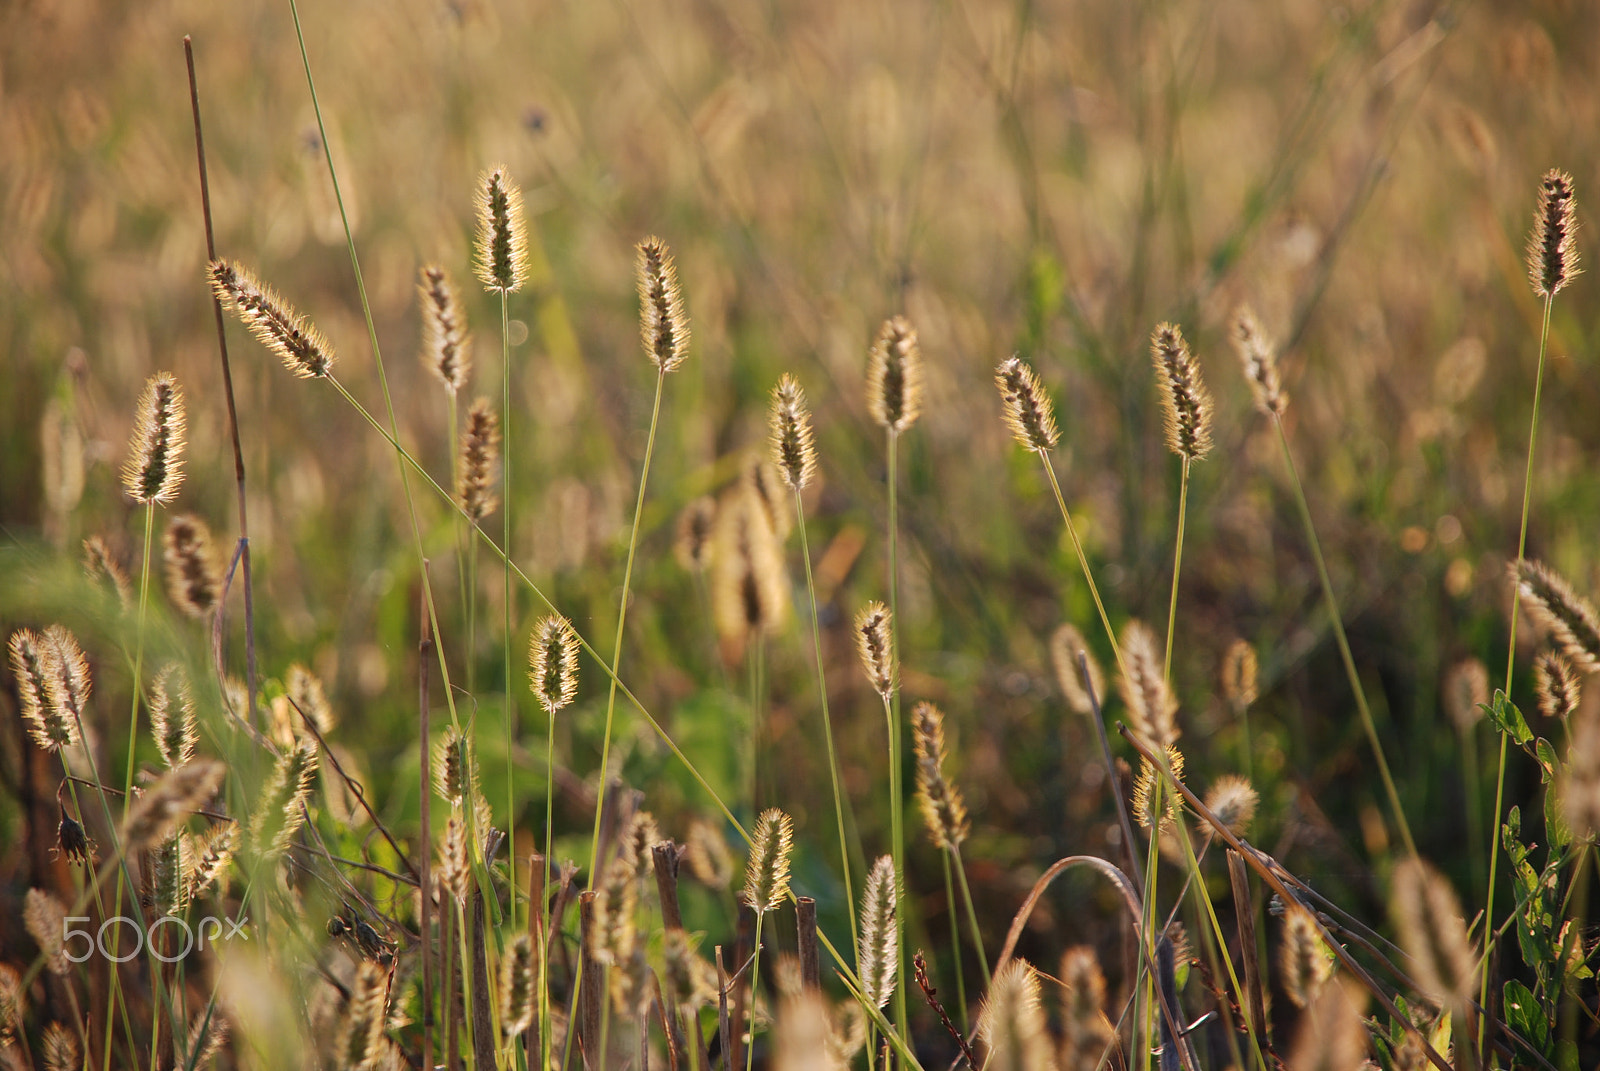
[766, 875]
[308, 694]
[67, 684]
[880, 933]
[1239, 672]
[153, 471]
[1552, 246]
[708, 856]
[663, 325]
[1152, 708]
[1029, 413]
[1085, 1030]
[102, 567]
[1066, 643]
[1427, 917]
[194, 580]
[1144, 791]
[696, 525]
[943, 809]
[1466, 689]
[553, 663]
[501, 254]
[1305, 959]
[446, 350]
[1233, 800]
[273, 321]
[45, 920]
[875, 644]
[170, 801]
[175, 730]
[72, 840]
[794, 448]
[894, 376]
[31, 659]
[1570, 619]
[1556, 683]
[517, 989]
[1184, 399]
[1260, 359]
[1012, 1022]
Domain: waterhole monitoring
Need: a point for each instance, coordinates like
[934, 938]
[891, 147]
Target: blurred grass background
[1043, 178]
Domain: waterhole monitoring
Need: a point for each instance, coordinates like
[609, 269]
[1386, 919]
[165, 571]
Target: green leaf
[1526, 1017]
[1505, 714]
[1548, 763]
[1555, 824]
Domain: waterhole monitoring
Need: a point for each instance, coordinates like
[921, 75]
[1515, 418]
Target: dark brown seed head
[1552, 247]
[894, 376]
[875, 645]
[1568, 616]
[663, 325]
[1029, 413]
[794, 448]
[1184, 398]
[194, 581]
[480, 450]
[502, 245]
[1557, 685]
[274, 322]
[445, 346]
[72, 840]
[154, 469]
[696, 524]
[553, 663]
[1260, 360]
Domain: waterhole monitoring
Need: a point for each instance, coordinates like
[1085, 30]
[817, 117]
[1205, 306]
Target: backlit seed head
[894, 376]
[1557, 686]
[708, 856]
[67, 685]
[153, 471]
[1260, 359]
[455, 768]
[1184, 399]
[212, 853]
[875, 644]
[501, 254]
[766, 875]
[1239, 670]
[172, 716]
[794, 448]
[32, 667]
[749, 592]
[194, 578]
[765, 486]
[880, 933]
[615, 906]
[1085, 1030]
[45, 920]
[1233, 800]
[943, 809]
[1569, 618]
[102, 567]
[691, 981]
[1012, 1022]
[1152, 708]
[1552, 246]
[1466, 689]
[169, 802]
[638, 839]
[517, 989]
[360, 1039]
[1428, 919]
[446, 347]
[453, 857]
[1144, 791]
[553, 663]
[61, 1049]
[1029, 414]
[273, 321]
[279, 815]
[1305, 959]
[1065, 646]
[480, 451]
[663, 325]
[308, 694]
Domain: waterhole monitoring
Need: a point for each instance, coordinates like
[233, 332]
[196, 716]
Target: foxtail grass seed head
[880, 933]
[1260, 359]
[641, 835]
[1085, 1030]
[172, 716]
[273, 321]
[455, 769]
[875, 644]
[308, 694]
[1427, 917]
[1568, 616]
[553, 663]
[616, 904]
[1151, 705]
[943, 809]
[1305, 959]
[690, 980]
[766, 875]
[1556, 684]
[212, 854]
[894, 376]
[1144, 791]
[153, 471]
[1239, 675]
[1184, 399]
[696, 525]
[708, 856]
[794, 447]
[1552, 247]
[1029, 413]
[169, 802]
[31, 658]
[663, 325]
[1065, 645]
[445, 344]
[1466, 690]
[749, 593]
[517, 989]
[194, 578]
[279, 815]
[61, 1049]
[1012, 1022]
[102, 567]
[45, 920]
[765, 486]
[360, 1039]
[168, 876]
[453, 857]
[1332, 1035]
[1233, 800]
[502, 247]
[67, 685]
[801, 1034]
[480, 451]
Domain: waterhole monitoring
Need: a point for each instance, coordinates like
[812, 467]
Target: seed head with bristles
[1552, 246]
[480, 450]
[1332, 1035]
[453, 857]
[61, 1049]
[1012, 1022]
[616, 904]
[894, 376]
[764, 485]
[1029, 414]
[1305, 960]
[663, 325]
[175, 730]
[766, 875]
[445, 348]
[45, 920]
[212, 853]
[794, 448]
[1570, 619]
[11, 1004]
[168, 876]
[696, 524]
[1085, 1030]
[1144, 791]
[1556, 684]
[1466, 690]
[748, 592]
[641, 835]
[360, 1040]
[1184, 398]
[943, 809]
[1151, 705]
[67, 685]
[169, 802]
[1066, 643]
[1260, 359]
[707, 854]
[308, 694]
[31, 659]
[278, 816]
[875, 644]
[1427, 917]
[880, 933]
[455, 769]
[194, 581]
[691, 981]
[153, 471]
[1239, 671]
[103, 567]
[517, 988]
[1233, 800]
[501, 254]
[553, 663]
[275, 323]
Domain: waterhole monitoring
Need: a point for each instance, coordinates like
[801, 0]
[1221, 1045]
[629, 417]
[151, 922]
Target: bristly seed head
[154, 469]
[1151, 705]
[943, 809]
[1233, 800]
[794, 448]
[305, 688]
[616, 903]
[517, 988]
[360, 1041]
[102, 566]
[175, 731]
[455, 769]
[1028, 410]
[480, 449]
[1260, 359]
[875, 643]
[194, 581]
[1065, 646]
[1570, 619]
[1305, 959]
[32, 663]
[1184, 398]
[278, 816]
[707, 855]
[274, 322]
[170, 801]
[1557, 686]
[1012, 1023]
[880, 933]
[1144, 791]
[553, 663]
[1239, 669]
[1552, 247]
[766, 875]
[1428, 918]
[445, 348]
[696, 525]
[1085, 1030]
[502, 245]
[894, 376]
[663, 325]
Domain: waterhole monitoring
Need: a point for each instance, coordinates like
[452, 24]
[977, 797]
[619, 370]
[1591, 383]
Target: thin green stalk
[547, 905]
[605, 1012]
[1511, 650]
[1343, 641]
[755, 980]
[891, 711]
[955, 939]
[827, 727]
[972, 917]
[1147, 1022]
[1177, 567]
[1083, 561]
[622, 618]
[511, 594]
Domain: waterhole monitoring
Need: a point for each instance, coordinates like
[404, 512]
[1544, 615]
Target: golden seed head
[453, 857]
[696, 525]
[1012, 1022]
[708, 856]
[765, 486]
[749, 592]
[880, 933]
[1552, 247]
[45, 919]
[766, 875]
[175, 730]
[32, 663]
[1427, 917]
[502, 245]
[1184, 398]
[1152, 708]
[875, 644]
[517, 986]
[170, 801]
[306, 690]
[154, 469]
[553, 663]
[794, 447]
[455, 768]
[273, 321]
[616, 904]
[1233, 800]
[1557, 685]
[1065, 645]
[212, 854]
[194, 578]
[61, 1049]
[278, 816]
[1144, 791]
[1305, 959]
[1085, 1030]
[1568, 617]
[1465, 687]
[894, 376]
[67, 685]
[167, 877]
[1029, 413]
[102, 566]
[360, 1040]
[641, 835]
[943, 809]
[445, 343]
[1239, 684]
[480, 450]
[1260, 359]
[1332, 1035]
[663, 325]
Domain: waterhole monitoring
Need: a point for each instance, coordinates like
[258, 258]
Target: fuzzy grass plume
[102, 566]
[1466, 690]
[517, 987]
[273, 321]
[942, 806]
[1552, 245]
[1012, 1023]
[194, 578]
[875, 645]
[1568, 616]
[1029, 414]
[766, 875]
[1144, 791]
[1066, 643]
[748, 594]
[1233, 800]
[553, 663]
[1240, 684]
[32, 665]
[153, 471]
[1085, 1031]
[1185, 401]
[794, 448]
[173, 721]
[1557, 686]
[894, 376]
[880, 936]
[501, 249]
[278, 814]
[1260, 359]
[170, 801]
[696, 526]
[663, 325]
[1152, 708]
[1428, 919]
[480, 450]
[1304, 959]
[446, 346]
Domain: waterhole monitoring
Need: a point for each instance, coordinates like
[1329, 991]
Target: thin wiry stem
[1511, 652]
[546, 908]
[755, 980]
[1177, 567]
[1083, 561]
[972, 916]
[955, 940]
[511, 594]
[1343, 641]
[891, 711]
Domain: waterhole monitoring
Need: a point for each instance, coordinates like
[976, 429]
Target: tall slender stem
[546, 908]
[891, 710]
[510, 592]
[972, 916]
[955, 938]
[755, 980]
[1177, 567]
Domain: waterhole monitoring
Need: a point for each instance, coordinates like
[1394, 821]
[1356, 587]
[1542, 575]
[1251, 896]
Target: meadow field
[811, 535]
